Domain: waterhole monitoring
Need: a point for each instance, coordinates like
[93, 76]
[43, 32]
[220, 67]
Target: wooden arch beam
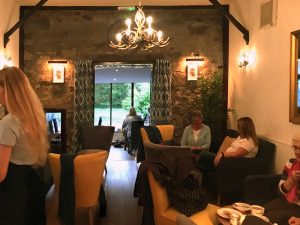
[233, 20]
[22, 21]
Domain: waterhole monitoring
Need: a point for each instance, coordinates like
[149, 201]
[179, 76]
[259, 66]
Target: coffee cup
[257, 210]
[234, 219]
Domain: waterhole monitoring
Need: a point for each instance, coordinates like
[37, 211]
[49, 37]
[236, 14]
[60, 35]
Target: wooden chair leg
[219, 199]
[91, 216]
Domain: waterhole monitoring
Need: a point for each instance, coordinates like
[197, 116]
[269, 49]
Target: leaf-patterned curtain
[161, 107]
[83, 100]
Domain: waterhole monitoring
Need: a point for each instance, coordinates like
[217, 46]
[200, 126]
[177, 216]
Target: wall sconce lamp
[244, 59]
[192, 66]
[247, 57]
[58, 70]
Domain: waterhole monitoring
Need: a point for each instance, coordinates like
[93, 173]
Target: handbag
[187, 199]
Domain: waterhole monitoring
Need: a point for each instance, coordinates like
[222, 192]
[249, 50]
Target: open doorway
[118, 87]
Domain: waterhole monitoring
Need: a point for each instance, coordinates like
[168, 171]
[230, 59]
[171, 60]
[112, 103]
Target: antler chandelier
[145, 37]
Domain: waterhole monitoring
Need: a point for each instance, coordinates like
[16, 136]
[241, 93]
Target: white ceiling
[120, 2]
[123, 73]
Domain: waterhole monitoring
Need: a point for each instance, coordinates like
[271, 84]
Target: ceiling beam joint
[232, 19]
[22, 21]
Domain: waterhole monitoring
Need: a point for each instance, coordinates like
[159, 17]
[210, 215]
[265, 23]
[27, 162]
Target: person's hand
[296, 175]
[294, 220]
[217, 159]
[195, 148]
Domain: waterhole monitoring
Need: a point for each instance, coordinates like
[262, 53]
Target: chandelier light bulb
[149, 20]
[159, 35]
[119, 37]
[128, 22]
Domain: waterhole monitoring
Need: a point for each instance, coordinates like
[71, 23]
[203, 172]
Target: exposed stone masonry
[76, 34]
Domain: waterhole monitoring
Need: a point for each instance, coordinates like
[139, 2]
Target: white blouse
[245, 143]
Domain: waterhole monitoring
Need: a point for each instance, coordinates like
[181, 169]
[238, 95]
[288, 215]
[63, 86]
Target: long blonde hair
[22, 102]
[246, 129]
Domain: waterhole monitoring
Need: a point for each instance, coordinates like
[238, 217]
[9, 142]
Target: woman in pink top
[286, 208]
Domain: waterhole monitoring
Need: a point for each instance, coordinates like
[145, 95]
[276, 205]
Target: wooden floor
[122, 207]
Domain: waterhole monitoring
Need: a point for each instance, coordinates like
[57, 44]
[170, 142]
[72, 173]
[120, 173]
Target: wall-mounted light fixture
[5, 60]
[58, 67]
[246, 57]
[192, 66]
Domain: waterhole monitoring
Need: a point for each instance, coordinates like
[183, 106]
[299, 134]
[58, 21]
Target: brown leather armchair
[231, 172]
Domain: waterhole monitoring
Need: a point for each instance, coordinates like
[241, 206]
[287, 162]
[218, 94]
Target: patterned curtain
[161, 108]
[83, 100]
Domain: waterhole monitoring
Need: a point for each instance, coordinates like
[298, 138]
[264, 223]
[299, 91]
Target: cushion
[184, 220]
[226, 143]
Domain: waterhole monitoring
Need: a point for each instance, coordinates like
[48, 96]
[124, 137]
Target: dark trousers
[279, 211]
[22, 197]
[206, 161]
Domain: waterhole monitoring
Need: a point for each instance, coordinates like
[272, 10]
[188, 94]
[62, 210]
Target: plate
[241, 206]
[225, 212]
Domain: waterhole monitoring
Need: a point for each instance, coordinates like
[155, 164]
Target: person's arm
[184, 137]
[287, 182]
[125, 122]
[240, 152]
[5, 153]
[207, 137]
[294, 221]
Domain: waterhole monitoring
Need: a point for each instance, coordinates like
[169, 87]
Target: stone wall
[58, 33]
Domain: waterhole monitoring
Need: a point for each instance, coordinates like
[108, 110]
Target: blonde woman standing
[23, 147]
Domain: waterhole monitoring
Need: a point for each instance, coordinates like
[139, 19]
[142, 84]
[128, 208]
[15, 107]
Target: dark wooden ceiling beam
[233, 20]
[22, 21]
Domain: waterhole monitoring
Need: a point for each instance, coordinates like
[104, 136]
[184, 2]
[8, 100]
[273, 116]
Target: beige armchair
[164, 214]
[167, 133]
[88, 177]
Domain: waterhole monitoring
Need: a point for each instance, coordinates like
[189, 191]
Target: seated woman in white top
[246, 145]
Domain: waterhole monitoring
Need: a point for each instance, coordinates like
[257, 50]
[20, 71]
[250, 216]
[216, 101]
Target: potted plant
[212, 102]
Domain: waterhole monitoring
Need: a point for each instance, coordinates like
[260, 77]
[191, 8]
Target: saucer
[225, 212]
[241, 206]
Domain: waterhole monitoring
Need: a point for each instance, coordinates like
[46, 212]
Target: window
[119, 87]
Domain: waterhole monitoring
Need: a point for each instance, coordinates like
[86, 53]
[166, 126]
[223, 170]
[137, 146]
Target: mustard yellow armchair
[164, 214]
[88, 177]
[167, 133]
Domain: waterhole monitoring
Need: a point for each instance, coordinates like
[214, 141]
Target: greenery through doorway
[113, 98]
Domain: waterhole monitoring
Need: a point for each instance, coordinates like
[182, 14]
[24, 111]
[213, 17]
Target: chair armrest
[240, 166]
[231, 172]
[260, 189]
